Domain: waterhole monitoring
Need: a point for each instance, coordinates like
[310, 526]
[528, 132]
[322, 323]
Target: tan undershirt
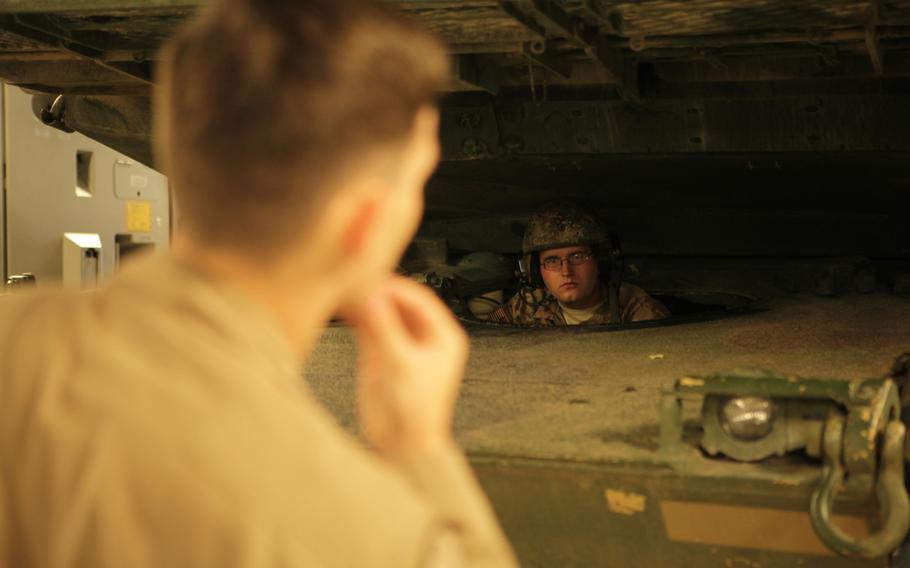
[576, 317]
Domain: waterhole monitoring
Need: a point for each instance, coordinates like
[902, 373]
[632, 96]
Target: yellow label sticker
[624, 502]
[139, 216]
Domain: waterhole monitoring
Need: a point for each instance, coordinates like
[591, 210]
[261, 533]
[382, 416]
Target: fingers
[424, 314]
[411, 360]
[378, 325]
[404, 315]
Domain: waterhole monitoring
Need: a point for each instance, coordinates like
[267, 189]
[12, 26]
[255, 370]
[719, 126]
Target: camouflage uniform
[539, 308]
[558, 225]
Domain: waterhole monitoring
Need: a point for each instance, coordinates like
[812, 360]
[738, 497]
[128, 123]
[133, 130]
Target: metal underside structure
[545, 82]
[562, 86]
[641, 48]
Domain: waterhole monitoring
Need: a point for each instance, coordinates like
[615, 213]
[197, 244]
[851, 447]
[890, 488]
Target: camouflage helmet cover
[561, 225]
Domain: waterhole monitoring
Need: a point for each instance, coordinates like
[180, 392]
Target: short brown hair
[266, 100]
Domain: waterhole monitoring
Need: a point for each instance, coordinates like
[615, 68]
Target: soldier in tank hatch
[568, 276]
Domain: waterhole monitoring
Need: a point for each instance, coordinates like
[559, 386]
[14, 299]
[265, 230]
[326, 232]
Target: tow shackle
[893, 502]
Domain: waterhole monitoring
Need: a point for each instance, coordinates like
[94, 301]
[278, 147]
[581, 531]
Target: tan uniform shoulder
[638, 305]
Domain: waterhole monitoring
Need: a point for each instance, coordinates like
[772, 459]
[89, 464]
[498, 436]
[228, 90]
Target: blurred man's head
[560, 248]
[287, 121]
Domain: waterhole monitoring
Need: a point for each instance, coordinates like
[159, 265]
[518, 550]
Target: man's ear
[361, 225]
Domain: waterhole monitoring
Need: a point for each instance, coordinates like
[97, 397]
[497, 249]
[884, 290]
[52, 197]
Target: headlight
[747, 418]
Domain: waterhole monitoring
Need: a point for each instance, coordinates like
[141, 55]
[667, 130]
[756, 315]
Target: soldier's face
[574, 285]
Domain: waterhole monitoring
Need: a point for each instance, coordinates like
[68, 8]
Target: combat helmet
[562, 224]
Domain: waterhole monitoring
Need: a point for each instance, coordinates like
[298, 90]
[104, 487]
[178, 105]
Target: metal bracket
[849, 443]
[536, 52]
[873, 44]
[51, 110]
[588, 9]
[869, 403]
[549, 20]
[41, 29]
[468, 73]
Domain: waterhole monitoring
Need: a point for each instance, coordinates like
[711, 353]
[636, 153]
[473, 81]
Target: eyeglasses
[554, 263]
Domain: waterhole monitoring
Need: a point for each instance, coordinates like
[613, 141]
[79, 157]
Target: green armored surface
[576, 438]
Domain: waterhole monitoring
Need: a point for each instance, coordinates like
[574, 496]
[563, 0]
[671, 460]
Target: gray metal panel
[41, 199]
